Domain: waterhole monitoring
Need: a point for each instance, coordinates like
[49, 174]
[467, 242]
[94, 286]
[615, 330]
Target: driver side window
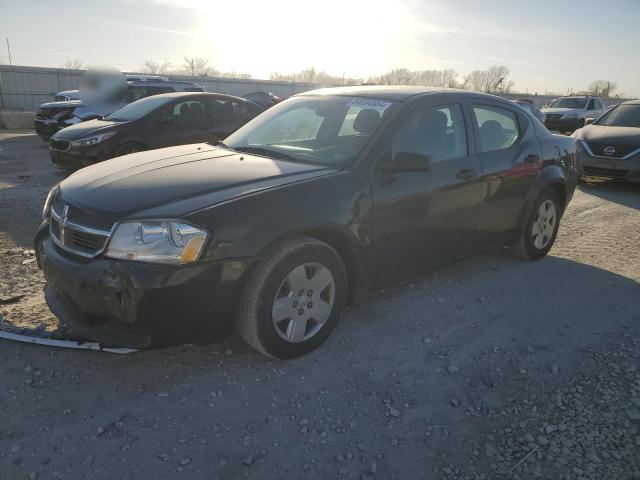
[436, 132]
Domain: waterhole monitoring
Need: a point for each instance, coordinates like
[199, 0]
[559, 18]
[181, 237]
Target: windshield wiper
[266, 152]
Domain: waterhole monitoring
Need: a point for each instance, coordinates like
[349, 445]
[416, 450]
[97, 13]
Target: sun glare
[286, 36]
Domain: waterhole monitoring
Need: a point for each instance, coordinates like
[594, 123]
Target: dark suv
[53, 116]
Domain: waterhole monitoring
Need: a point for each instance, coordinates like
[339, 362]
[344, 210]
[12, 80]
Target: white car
[566, 114]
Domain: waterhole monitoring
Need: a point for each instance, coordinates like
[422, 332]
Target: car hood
[177, 180]
[627, 136]
[563, 111]
[85, 129]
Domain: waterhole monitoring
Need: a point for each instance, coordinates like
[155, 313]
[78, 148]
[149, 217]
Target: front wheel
[294, 298]
[540, 229]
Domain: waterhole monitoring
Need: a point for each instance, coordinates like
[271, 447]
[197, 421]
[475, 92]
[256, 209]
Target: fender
[550, 175]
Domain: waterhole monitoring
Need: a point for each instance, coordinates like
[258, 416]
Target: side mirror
[408, 162]
[589, 121]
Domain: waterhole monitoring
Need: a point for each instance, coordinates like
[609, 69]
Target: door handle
[466, 174]
[532, 159]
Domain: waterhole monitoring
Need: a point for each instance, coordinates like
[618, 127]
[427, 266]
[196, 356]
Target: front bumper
[46, 128]
[563, 124]
[623, 169]
[78, 158]
[137, 304]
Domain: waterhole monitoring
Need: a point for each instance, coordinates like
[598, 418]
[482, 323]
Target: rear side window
[436, 132]
[497, 128]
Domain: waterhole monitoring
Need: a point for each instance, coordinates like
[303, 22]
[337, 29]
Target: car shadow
[623, 193]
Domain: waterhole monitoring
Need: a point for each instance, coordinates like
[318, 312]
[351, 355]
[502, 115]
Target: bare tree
[73, 64]
[495, 79]
[197, 66]
[603, 88]
[311, 75]
[434, 78]
[156, 68]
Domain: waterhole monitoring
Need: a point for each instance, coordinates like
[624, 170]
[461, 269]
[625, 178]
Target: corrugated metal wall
[24, 88]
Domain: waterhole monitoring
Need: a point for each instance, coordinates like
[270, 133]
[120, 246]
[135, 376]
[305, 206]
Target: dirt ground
[487, 368]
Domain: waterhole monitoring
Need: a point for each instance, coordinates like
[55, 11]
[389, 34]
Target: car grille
[554, 116]
[620, 151]
[60, 144]
[604, 172]
[77, 232]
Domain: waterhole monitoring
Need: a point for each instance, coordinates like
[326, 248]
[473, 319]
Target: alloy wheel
[544, 224]
[303, 302]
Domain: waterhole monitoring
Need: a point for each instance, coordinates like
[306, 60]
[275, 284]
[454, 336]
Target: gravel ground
[488, 368]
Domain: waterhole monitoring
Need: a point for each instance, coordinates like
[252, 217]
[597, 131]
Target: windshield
[329, 130]
[621, 116]
[572, 102]
[137, 109]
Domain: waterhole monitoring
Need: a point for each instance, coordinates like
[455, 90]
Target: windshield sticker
[369, 103]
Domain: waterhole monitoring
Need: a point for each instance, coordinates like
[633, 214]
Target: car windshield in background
[137, 109]
[329, 130]
[569, 103]
[621, 116]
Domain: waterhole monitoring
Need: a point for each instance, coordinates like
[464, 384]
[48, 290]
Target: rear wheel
[294, 299]
[540, 229]
[128, 148]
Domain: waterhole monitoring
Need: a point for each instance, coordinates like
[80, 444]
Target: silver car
[610, 146]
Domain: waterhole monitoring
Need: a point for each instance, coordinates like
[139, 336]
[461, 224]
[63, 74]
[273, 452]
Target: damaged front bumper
[136, 304]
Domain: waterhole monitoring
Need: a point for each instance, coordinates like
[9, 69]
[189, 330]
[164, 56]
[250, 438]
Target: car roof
[158, 83]
[220, 96]
[398, 93]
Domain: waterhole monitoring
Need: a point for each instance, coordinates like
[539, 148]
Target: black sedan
[610, 146]
[296, 214]
[152, 122]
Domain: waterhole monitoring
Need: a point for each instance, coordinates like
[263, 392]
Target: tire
[127, 148]
[268, 295]
[536, 238]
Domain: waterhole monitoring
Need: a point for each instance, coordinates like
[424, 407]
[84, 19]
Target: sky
[549, 45]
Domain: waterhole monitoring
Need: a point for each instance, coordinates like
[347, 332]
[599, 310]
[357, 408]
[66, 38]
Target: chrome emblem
[609, 150]
[63, 222]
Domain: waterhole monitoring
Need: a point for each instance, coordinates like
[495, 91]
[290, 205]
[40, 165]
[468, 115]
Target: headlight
[85, 142]
[157, 241]
[48, 201]
[571, 115]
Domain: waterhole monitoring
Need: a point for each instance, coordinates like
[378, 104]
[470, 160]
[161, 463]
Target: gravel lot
[487, 368]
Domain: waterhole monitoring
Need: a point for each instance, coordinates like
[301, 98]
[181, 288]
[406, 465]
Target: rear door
[510, 157]
[423, 218]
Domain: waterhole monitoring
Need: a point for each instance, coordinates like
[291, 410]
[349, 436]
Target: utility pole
[9, 51]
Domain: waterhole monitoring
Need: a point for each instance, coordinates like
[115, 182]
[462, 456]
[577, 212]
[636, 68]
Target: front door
[425, 215]
[183, 122]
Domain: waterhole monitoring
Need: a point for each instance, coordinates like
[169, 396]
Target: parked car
[566, 114]
[153, 122]
[530, 107]
[67, 95]
[266, 99]
[610, 146]
[53, 116]
[296, 214]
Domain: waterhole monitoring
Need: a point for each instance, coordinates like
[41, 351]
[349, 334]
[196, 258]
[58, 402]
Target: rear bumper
[628, 170]
[564, 124]
[136, 304]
